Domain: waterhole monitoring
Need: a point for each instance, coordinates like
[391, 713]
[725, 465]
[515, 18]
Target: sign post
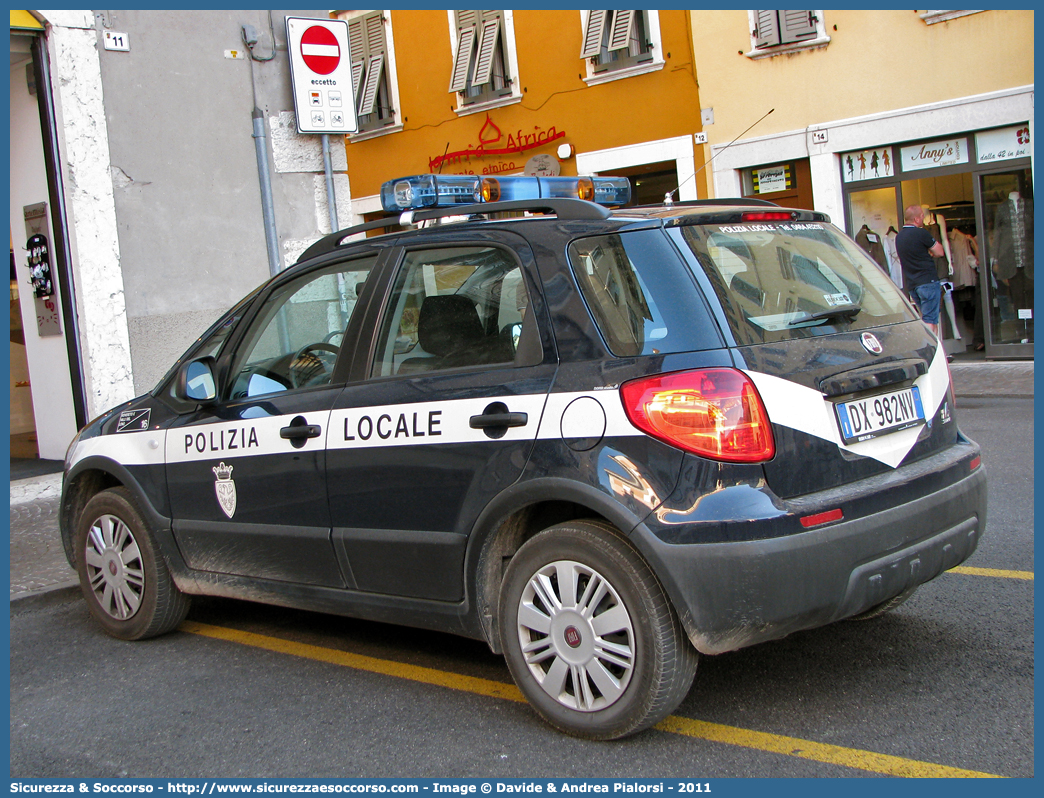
[321, 74]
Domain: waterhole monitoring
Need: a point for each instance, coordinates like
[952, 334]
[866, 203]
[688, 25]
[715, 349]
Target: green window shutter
[367, 49]
[796, 26]
[462, 60]
[766, 34]
[594, 30]
[620, 34]
[373, 83]
[486, 50]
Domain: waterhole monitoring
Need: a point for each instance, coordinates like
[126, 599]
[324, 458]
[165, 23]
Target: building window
[616, 39]
[481, 70]
[369, 46]
[774, 32]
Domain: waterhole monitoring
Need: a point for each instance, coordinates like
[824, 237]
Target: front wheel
[123, 576]
[589, 635]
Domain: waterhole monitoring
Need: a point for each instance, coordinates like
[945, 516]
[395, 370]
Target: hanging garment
[871, 244]
[964, 273]
[895, 268]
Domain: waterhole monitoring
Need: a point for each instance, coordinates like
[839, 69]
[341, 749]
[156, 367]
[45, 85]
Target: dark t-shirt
[912, 245]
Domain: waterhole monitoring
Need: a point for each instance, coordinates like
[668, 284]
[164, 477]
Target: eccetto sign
[321, 73]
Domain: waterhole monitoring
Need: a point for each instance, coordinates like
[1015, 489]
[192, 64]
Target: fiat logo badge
[871, 344]
[572, 636]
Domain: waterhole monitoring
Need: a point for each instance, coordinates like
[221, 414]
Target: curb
[44, 597]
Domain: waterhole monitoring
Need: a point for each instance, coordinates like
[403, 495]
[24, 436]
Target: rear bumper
[734, 594]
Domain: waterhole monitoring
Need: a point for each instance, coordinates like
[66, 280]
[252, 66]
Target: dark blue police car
[601, 441]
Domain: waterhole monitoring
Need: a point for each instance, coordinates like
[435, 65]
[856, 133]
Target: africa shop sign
[491, 143]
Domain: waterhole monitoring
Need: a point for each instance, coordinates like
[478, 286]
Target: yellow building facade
[861, 114]
[524, 91]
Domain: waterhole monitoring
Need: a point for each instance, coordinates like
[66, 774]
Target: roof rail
[705, 202]
[562, 207]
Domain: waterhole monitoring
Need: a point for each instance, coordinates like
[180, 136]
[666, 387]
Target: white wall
[48, 359]
[83, 142]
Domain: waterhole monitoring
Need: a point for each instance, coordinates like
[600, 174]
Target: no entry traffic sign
[320, 50]
[321, 72]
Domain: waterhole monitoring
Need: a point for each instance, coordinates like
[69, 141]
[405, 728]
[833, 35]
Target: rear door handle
[496, 418]
[299, 431]
[487, 420]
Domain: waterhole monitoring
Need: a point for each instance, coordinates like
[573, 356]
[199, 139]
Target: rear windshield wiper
[829, 313]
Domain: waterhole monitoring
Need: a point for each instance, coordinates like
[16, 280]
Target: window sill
[488, 105]
[785, 49]
[372, 134]
[626, 72]
[933, 17]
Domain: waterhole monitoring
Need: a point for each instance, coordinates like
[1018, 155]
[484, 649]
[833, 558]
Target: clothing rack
[957, 214]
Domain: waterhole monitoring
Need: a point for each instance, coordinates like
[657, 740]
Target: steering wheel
[308, 368]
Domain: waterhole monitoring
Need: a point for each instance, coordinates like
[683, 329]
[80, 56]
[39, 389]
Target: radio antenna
[668, 198]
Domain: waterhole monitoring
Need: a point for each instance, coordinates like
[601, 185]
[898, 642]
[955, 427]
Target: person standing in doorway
[916, 249]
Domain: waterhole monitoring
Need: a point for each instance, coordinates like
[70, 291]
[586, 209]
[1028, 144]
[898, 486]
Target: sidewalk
[38, 565]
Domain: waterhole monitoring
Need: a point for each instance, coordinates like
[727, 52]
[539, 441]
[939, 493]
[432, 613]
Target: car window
[788, 280]
[295, 338]
[641, 296]
[454, 307]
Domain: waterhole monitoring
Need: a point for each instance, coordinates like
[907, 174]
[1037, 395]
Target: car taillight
[715, 413]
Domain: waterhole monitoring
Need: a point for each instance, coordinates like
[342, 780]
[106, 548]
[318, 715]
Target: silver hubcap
[576, 636]
[114, 567]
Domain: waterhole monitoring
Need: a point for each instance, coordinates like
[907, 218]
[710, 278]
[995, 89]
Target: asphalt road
[945, 681]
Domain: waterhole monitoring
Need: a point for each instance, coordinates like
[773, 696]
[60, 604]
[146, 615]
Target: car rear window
[641, 296]
[791, 280]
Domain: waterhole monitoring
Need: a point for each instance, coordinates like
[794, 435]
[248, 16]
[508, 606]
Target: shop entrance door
[1006, 199]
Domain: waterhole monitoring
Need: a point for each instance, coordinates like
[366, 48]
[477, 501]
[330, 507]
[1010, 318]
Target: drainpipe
[265, 178]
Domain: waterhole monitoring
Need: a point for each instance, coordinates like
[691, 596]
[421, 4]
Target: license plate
[863, 419]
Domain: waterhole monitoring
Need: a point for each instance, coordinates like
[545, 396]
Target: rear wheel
[123, 576]
[589, 635]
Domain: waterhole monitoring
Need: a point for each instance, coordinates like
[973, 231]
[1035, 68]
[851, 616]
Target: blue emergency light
[431, 191]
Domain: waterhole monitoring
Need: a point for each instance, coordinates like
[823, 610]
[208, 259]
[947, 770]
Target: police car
[603, 441]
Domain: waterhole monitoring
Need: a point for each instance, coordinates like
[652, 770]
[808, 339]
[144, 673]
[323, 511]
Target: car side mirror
[196, 381]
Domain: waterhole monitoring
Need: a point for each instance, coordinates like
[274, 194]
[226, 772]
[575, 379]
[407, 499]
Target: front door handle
[299, 431]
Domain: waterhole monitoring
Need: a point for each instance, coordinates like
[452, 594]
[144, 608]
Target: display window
[979, 210]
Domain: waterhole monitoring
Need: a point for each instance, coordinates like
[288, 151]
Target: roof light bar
[429, 191]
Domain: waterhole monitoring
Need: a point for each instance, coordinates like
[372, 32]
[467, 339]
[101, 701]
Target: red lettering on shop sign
[490, 135]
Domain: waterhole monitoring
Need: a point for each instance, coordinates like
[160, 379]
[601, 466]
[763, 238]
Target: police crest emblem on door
[225, 488]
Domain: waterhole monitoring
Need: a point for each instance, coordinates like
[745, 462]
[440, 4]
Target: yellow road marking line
[961, 569]
[714, 732]
[415, 673]
[817, 752]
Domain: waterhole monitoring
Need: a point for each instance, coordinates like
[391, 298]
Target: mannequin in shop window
[895, 269]
[1012, 249]
[935, 223]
